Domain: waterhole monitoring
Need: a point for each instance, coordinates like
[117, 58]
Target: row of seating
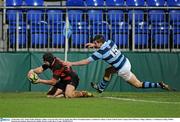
[156, 25]
[119, 32]
[54, 16]
[99, 2]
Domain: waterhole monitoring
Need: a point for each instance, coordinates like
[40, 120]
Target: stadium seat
[115, 16]
[95, 16]
[34, 16]
[156, 16]
[58, 40]
[141, 34]
[94, 2]
[13, 15]
[12, 30]
[75, 3]
[34, 2]
[160, 34]
[120, 33]
[176, 39]
[39, 36]
[14, 2]
[54, 16]
[174, 16]
[79, 40]
[138, 15]
[100, 28]
[175, 24]
[75, 16]
[135, 2]
[155, 2]
[56, 28]
[80, 34]
[57, 36]
[173, 2]
[114, 2]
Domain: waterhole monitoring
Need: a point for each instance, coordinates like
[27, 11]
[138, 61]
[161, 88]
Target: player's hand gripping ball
[33, 77]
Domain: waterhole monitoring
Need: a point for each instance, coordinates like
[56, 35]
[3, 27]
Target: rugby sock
[151, 85]
[103, 84]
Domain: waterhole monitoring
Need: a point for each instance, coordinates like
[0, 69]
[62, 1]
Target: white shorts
[125, 71]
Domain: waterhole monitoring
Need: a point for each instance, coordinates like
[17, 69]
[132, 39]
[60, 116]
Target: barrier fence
[132, 28]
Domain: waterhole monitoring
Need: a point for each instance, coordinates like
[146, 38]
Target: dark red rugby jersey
[60, 71]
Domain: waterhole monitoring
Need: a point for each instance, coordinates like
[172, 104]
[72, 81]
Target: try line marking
[136, 100]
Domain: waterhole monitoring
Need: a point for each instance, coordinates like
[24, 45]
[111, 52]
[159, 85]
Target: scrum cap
[48, 57]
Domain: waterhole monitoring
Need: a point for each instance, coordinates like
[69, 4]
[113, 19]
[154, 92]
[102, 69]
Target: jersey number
[114, 51]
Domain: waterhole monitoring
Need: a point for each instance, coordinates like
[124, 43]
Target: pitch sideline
[136, 100]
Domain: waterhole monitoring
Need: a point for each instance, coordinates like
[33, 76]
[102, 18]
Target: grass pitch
[108, 105]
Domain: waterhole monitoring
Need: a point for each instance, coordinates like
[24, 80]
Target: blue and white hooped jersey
[109, 53]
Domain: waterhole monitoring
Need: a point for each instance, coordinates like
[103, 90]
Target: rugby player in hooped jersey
[64, 79]
[107, 51]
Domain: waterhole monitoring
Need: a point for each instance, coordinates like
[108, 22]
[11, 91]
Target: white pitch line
[136, 100]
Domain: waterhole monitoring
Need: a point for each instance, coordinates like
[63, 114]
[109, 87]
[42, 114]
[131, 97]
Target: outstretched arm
[77, 63]
[37, 70]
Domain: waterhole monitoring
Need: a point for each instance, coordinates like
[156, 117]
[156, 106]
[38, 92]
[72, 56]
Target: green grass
[35, 104]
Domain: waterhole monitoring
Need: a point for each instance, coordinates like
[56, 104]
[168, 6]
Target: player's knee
[69, 95]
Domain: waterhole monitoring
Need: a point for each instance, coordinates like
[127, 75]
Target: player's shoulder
[108, 43]
[57, 64]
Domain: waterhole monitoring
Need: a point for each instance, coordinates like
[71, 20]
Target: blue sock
[103, 84]
[147, 84]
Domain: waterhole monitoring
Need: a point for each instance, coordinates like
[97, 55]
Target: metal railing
[132, 28]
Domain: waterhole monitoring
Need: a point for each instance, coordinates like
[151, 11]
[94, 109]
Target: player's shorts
[125, 71]
[63, 83]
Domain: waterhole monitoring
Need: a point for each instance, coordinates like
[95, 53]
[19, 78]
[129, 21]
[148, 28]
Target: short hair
[48, 57]
[99, 38]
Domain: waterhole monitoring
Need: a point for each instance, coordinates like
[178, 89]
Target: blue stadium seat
[54, 16]
[160, 34]
[58, 40]
[80, 34]
[14, 2]
[174, 16]
[22, 34]
[75, 3]
[95, 15]
[39, 34]
[141, 34]
[173, 2]
[115, 16]
[56, 27]
[94, 2]
[135, 2]
[176, 39]
[57, 34]
[12, 16]
[120, 33]
[79, 40]
[75, 16]
[34, 2]
[156, 16]
[114, 2]
[155, 2]
[175, 23]
[138, 14]
[34, 16]
[100, 28]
